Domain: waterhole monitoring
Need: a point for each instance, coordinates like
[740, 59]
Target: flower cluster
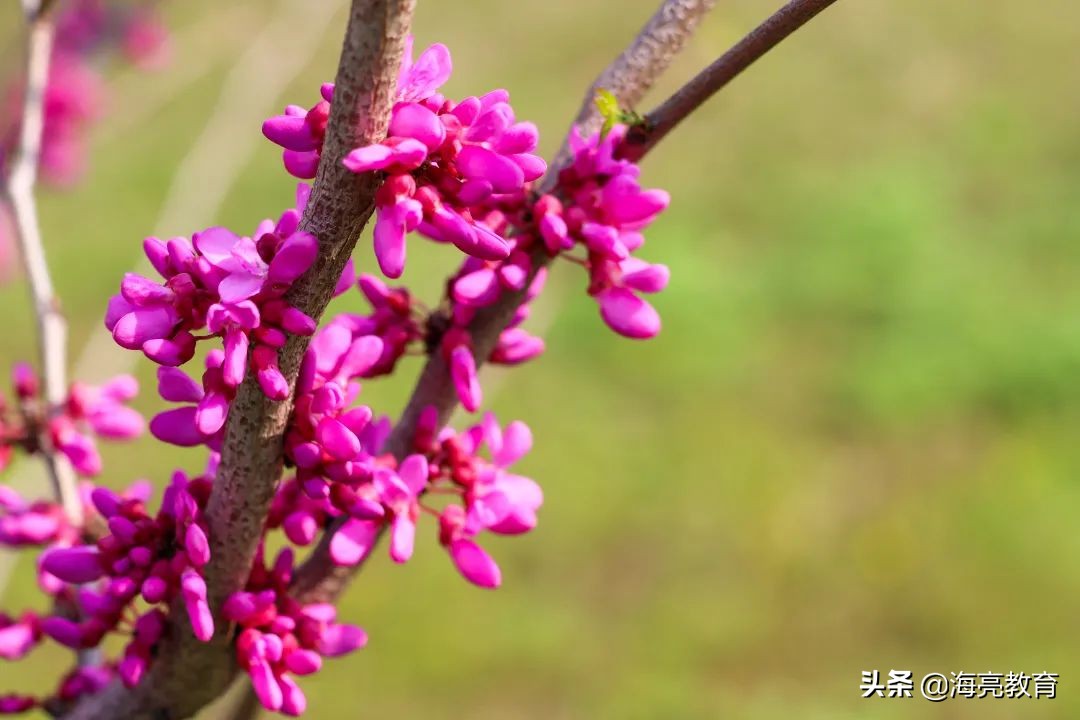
[81, 615]
[231, 286]
[458, 172]
[156, 558]
[88, 411]
[279, 637]
[603, 210]
[443, 161]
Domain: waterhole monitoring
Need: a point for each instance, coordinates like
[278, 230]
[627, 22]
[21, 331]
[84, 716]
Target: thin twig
[18, 190]
[186, 673]
[628, 77]
[723, 70]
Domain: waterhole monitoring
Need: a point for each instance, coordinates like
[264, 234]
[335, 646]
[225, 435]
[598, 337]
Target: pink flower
[279, 638]
[18, 637]
[234, 286]
[419, 80]
[399, 492]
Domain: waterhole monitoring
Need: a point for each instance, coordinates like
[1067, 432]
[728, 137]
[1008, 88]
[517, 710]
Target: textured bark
[637, 68]
[628, 77]
[188, 674]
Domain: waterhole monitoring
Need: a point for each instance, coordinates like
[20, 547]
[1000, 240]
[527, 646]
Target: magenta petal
[16, 640]
[430, 71]
[236, 352]
[533, 166]
[240, 606]
[390, 241]
[413, 471]
[479, 287]
[197, 546]
[627, 314]
[417, 122]
[63, 631]
[341, 639]
[273, 383]
[141, 292]
[516, 443]
[293, 258]
[474, 564]
[154, 589]
[177, 427]
[520, 137]
[171, 353]
[143, 324]
[293, 700]
[479, 163]
[365, 509]
[347, 279]
[158, 255]
[303, 165]
[555, 233]
[303, 662]
[328, 347]
[484, 244]
[337, 439]
[77, 565]
[116, 422]
[131, 670]
[290, 131]
[216, 244]
[466, 383]
[265, 685]
[306, 455]
[643, 277]
[117, 308]
[300, 527]
[239, 286]
[177, 386]
[120, 388]
[361, 356]
[402, 538]
[356, 419]
[353, 542]
[368, 158]
[296, 322]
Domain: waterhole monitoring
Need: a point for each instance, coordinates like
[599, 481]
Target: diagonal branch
[723, 70]
[187, 674]
[18, 189]
[628, 77]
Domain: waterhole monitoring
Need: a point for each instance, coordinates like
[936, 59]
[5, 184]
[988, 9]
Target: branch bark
[187, 674]
[723, 70]
[18, 189]
[636, 69]
[628, 77]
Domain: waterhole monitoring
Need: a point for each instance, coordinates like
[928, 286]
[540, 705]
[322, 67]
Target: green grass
[852, 447]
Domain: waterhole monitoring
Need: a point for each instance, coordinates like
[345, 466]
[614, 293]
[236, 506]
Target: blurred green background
[854, 445]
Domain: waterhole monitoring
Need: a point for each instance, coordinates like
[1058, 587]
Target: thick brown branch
[631, 74]
[723, 70]
[186, 673]
[18, 190]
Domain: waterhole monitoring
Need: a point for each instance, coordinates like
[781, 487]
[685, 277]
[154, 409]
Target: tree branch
[723, 70]
[18, 189]
[636, 69]
[628, 77]
[187, 673]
